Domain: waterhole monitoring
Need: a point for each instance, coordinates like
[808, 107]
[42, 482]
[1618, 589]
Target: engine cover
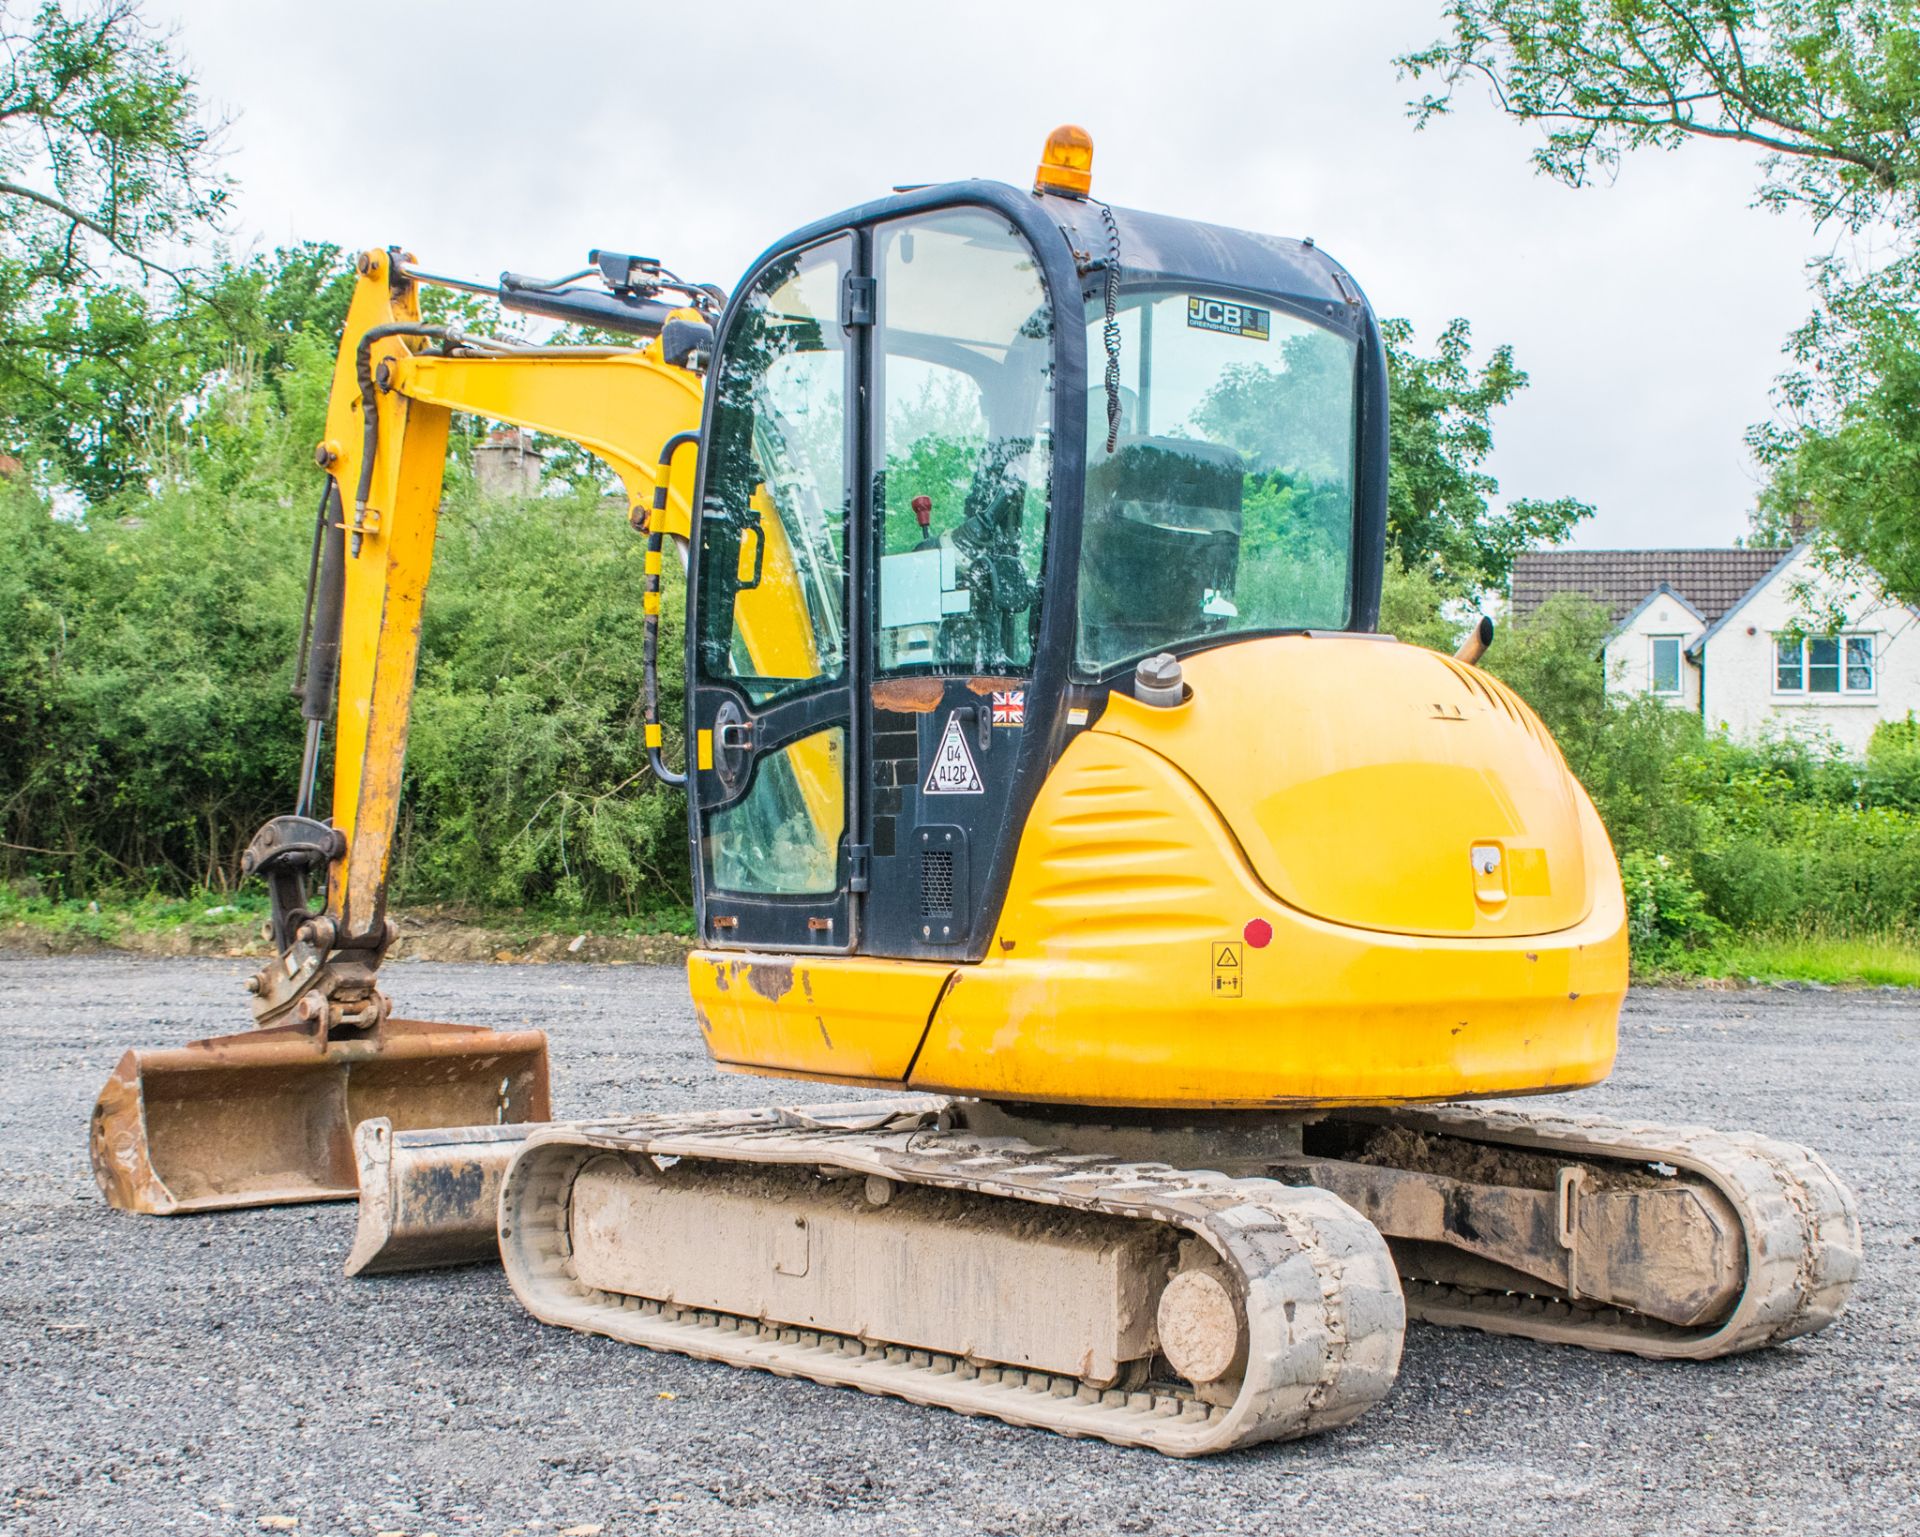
[1379, 785]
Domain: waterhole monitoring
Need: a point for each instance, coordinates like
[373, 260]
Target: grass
[1882, 960]
[671, 918]
[233, 918]
[115, 918]
[229, 918]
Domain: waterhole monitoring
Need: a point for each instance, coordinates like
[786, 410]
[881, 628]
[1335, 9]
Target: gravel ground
[217, 1374]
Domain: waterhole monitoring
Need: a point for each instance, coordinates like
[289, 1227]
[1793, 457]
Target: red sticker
[1258, 933]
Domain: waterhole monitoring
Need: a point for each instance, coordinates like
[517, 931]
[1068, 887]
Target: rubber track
[1325, 1313]
[1802, 1234]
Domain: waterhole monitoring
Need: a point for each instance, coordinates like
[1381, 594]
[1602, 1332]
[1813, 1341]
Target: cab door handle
[983, 725]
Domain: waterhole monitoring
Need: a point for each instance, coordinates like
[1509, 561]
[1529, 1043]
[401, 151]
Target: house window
[1823, 664]
[1789, 664]
[1859, 664]
[1664, 666]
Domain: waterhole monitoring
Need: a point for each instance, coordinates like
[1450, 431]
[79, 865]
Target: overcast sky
[484, 134]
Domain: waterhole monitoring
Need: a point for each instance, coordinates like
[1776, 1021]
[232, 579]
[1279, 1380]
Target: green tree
[1828, 91]
[1440, 431]
[225, 384]
[1857, 478]
[1440, 426]
[106, 171]
[1413, 609]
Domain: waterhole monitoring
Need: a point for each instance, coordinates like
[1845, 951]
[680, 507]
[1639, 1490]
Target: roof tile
[1711, 580]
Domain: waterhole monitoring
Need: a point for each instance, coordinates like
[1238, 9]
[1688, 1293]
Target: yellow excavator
[1044, 767]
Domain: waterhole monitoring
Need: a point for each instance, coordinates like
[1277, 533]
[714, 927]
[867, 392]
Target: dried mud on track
[216, 1374]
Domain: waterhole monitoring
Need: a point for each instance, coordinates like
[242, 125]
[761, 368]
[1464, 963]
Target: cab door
[771, 671]
[960, 440]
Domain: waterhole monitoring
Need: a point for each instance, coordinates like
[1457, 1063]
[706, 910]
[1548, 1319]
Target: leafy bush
[146, 725]
[1817, 868]
[1666, 913]
[147, 728]
[527, 777]
[1892, 771]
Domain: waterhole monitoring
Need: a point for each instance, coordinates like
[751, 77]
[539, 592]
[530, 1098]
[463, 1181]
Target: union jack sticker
[1010, 707]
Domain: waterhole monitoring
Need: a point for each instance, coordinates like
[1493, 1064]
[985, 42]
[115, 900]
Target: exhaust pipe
[1478, 639]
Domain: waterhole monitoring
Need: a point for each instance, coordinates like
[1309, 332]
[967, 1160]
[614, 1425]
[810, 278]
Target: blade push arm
[387, 424]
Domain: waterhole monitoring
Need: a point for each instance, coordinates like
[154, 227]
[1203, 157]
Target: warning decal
[1229, 966]
[953, 772]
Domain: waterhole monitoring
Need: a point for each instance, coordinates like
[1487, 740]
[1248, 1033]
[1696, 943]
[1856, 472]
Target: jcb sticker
[1229, 318]
[1229, 966]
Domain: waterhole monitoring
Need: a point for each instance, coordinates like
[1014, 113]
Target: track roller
[891, 1250]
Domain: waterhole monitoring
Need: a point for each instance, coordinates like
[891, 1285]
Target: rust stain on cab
[908, 696]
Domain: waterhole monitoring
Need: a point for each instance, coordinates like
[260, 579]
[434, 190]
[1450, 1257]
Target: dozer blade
[429, 1198]
[266, 1117]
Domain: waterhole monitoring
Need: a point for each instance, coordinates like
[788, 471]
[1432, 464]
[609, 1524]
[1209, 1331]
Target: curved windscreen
[1226, 504]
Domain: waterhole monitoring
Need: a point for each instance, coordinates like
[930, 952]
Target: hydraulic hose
[369, 398]
[326, 607]
[370, 406]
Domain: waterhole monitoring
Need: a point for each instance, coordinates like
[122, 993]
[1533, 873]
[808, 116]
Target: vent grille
[936, 883]
[1501, 697]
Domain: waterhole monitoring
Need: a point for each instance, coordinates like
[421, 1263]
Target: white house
[1746, 638]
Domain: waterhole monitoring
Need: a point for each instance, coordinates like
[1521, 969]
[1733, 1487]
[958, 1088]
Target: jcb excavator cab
[968, 459]
[1034, 578]
[972, 456]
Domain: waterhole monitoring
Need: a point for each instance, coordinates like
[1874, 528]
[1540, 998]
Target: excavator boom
[267, 1116]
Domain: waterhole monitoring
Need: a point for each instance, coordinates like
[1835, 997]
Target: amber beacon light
[1066, 164]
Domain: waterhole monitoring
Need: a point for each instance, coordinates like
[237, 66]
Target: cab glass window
[1225, 505]
[783, 837]
[774, 515]
[964, 377]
